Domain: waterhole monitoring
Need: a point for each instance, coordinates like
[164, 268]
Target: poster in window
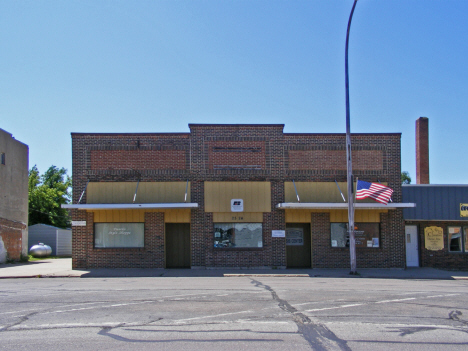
[295, 237]
[366, 235]
[339, 235]
[434, 238]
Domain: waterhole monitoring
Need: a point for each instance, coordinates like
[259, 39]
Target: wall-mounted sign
[463, 210]
[79, 223]
[434, 238]
[237, 205]
[278, 233]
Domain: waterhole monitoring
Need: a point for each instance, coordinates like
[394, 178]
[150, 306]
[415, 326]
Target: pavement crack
[283, 304]
[456, 316]
[22, 319]
[318, 336]
[103, 326]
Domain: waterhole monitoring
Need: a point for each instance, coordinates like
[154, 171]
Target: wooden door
[177, 245]
[298, 245]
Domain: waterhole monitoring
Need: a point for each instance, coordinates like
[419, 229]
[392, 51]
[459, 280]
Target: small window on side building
[457, 239]
[3, 158]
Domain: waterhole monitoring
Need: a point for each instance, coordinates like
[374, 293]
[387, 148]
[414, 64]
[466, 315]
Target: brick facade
[11, 232]
[234, 153]
[443, 259]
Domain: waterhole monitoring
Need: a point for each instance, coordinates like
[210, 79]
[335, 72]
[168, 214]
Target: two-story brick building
[14, 163]
[231, 196]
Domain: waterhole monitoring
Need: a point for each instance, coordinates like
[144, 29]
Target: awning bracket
[342, 196]
[136, 190]
[295, 189]
[83, 191]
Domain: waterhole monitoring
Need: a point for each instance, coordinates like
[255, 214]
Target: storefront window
[457, 239]
[119, 235]
[339, 235]
[238, 235]
[465, 237]
[366, 235]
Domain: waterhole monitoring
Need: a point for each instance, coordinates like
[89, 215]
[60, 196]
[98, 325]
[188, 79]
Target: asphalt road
[239, 313]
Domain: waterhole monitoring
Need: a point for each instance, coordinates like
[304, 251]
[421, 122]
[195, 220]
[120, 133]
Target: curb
[40, 276]
[460, 278]
[265, 275]
[238, 275]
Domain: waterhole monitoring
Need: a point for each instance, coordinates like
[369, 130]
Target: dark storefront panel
[178, 245]
[298, 245]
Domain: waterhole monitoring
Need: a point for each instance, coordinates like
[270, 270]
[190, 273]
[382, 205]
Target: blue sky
[156, 66]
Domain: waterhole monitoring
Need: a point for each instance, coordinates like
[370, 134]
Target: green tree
[46, 195]
[405, 178]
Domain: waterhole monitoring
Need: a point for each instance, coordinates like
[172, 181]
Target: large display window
[367, 235]
[119, 235]
[238, 235]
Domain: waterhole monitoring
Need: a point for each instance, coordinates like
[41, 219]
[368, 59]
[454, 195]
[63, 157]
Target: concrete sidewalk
[62, 267]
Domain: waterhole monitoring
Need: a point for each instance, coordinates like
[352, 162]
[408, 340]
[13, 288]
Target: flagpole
[352, 241]
[355, 193]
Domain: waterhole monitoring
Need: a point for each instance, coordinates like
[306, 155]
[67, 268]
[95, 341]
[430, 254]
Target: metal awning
[341, 206]
[160, 206]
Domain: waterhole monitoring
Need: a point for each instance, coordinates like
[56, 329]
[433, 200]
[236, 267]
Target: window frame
[233, 224]
[379, 233]
[117, 247]
[463, 239]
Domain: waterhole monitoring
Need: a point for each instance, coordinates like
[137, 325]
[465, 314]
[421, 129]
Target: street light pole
[352, 241]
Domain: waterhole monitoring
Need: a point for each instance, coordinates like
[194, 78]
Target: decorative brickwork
[363, 160]
[137, 159]
[11, 233]
[234, 153]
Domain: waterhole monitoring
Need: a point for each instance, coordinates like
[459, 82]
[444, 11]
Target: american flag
[376, 191]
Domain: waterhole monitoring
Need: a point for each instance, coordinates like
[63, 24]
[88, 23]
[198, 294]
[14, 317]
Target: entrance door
[412, 250]
[177, 245]
[298, 245]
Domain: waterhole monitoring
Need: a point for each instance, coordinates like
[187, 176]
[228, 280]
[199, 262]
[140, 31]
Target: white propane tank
[40, 250]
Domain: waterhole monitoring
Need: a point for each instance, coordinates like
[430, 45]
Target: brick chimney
[422, 150]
